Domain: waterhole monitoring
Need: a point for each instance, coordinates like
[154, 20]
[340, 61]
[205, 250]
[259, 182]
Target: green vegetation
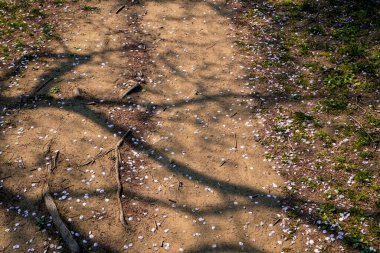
[90, 8]
[54, 90]
[323, 69]
[27, 25]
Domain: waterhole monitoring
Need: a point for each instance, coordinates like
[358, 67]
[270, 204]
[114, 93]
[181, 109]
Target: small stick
[173, 201]
[120, 9]
[223, 162]
[213, 44]
[55, 160]
[233, 115]
[235, 141]
[99, 155]
[119, 185]
[67, 187]
[276, 222]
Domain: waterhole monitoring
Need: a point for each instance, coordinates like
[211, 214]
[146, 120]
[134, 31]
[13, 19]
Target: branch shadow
[81, 107]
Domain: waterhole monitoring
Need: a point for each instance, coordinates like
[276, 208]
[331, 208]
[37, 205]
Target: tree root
[119, 185]
[53, 211]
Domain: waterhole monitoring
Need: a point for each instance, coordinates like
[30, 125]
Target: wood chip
[134, 88]
[76, 92]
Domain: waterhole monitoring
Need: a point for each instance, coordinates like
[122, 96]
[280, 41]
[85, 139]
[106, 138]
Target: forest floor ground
[232, 147]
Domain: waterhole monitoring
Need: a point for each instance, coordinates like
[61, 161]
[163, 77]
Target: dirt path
[97, 54]
[194, 180]
[206, 186]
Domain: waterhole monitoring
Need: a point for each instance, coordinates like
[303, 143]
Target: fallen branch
[119, 185]
[53, 211]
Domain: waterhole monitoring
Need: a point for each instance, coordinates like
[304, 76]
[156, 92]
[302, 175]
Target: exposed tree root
[119, 185]
[53, 211]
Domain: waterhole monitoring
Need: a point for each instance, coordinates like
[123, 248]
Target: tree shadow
[83, 106]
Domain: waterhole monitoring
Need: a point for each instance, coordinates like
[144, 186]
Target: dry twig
[120, 9]
[99, 155]
[235, 141]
